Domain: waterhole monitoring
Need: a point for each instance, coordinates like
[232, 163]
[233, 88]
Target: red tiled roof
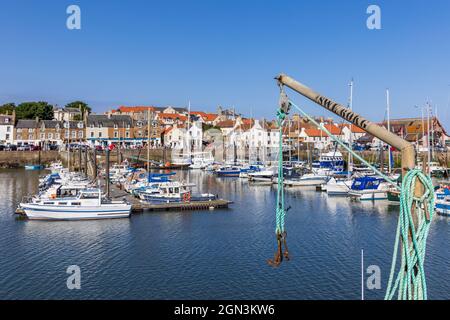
[172, 116]
[355, 129]
[134, 109]
[226, 124]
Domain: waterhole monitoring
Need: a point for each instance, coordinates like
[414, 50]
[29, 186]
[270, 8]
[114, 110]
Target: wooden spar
[406, 148]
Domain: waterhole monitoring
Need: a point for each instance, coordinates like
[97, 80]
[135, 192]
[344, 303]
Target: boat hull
[443, 208]
[38, 212]
[369, 195]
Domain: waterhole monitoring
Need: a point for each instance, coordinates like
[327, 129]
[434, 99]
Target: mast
[148, 141]
[388, 107]
[350, 157]
[428, 137]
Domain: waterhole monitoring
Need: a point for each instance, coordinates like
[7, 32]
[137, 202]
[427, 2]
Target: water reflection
[217, 254]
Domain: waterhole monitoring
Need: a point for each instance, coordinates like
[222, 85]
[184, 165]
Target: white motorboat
[369, 188]
[338, 187]
[309, 179]
[87, 205]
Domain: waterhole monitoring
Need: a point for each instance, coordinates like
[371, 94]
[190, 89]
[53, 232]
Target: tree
[82, 106]
[7, 108]
[30, 110]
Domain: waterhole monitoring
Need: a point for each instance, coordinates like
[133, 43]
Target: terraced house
[7, 128]
[112, 129]
[48, 132]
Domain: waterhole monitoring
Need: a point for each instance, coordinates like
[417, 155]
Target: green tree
[7, 108]
[31, 110]
[82, 106]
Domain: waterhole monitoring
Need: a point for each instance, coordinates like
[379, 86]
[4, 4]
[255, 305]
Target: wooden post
[107, 173]
[79, 158]
[95, 163]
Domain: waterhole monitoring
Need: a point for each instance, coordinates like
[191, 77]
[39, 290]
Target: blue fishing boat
[443, 206]
[228, 171]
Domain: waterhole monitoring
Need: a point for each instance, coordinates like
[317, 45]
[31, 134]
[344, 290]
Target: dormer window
[115, 126]
[80, 125]
[66, 125]
[6, 120]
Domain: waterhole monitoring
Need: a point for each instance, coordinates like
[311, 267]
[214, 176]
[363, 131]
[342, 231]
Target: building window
[115, 126]
[30, 137]
[57, 136]
[8, 129]
[66, 134]
[127, 134]
[42, 136]
[19, 130]
[50, 136]
[7, 136]
[99, 134]
[30, 130]
[19, 137]
[116, 134]
[80, 134]
[92, 134]
[74, 134]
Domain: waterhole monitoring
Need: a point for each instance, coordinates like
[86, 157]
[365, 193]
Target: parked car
[2, 147]
[53, 147]
[11, 147]
[35, 148]
[98, 148]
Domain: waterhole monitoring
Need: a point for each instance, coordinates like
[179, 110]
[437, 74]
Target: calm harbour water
[217, 254]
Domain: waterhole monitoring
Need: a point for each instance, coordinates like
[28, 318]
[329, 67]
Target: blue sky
[226, 53]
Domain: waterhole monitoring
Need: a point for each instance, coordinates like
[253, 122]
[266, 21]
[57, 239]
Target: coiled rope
[413, 226]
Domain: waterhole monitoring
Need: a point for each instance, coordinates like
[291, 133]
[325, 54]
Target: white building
[195, 136]
[7, 128]
[174, 137]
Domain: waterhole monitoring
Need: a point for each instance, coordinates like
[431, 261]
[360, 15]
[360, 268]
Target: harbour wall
[16, 159]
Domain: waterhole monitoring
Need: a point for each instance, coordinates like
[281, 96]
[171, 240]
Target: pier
[142, 207]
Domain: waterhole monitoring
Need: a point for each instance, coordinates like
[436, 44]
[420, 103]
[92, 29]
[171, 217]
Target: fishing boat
[228, 171]
[443, 206]
[175, 192]
[329, 163]
[369, 188]
[87, 205]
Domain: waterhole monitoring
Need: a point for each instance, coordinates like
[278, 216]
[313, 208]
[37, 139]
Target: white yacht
[308, 179]
[336, 187]
[87, 205]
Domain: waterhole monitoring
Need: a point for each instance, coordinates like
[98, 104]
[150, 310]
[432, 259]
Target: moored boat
[88, 205]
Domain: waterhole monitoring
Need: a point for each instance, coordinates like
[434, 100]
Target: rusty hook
[278, 258]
